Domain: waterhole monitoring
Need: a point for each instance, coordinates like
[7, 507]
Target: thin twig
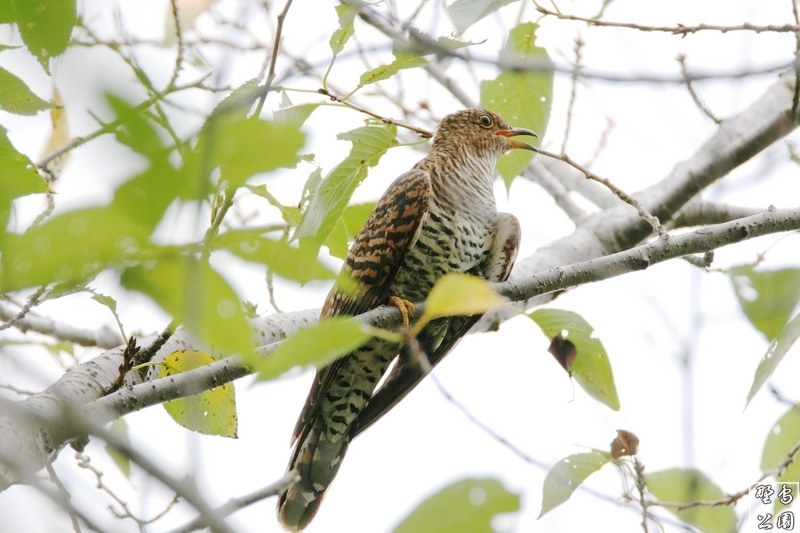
[601, 145]
[386, 120]
[736, 496]
[687, 77]
[114, 124]
[274, 59]
[796, 95]
[234, 504]
[181, 46]
[625, 197]
[33, 300]
[680, 29]
[76, 526]
[575, 75]
[641, 487]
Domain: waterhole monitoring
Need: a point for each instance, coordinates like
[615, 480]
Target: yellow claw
[405, 307]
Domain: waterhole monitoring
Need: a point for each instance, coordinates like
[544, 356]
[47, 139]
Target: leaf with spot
[589, 363]
[466, 506]
[775, 353]
[45, 26]
[522, 97]
[197, 297]
[465, 13]
[281, 258]
[17, 177]
[567, 475]
[679, 485]
[316, 345]
[781, 440]
[403, 60]
[347, 14]
[212, 412]
[767, 297]
[458, 294]
[16, 97]
[332, 195]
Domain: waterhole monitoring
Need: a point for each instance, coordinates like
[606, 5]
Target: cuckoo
[437, 218]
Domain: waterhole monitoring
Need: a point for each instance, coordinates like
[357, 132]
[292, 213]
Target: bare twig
[625, 197]
[687, 77]
[386, 120]
[234, 504]
[274, 59]
[601, 145]
[575, 75]
[641, 487]
[76, 526]
[736, 496]
[181, 46]
[33, 300]
[680, 29]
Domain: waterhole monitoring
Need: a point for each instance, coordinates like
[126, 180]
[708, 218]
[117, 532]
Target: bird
[440, 217]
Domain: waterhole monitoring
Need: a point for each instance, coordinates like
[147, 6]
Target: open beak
[515, 144]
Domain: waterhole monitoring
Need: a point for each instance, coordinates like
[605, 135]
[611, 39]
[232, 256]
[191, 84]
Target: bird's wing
[407, 373]
[373, 262]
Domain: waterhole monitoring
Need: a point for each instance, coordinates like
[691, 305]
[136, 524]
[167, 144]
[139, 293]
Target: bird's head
[480, 130]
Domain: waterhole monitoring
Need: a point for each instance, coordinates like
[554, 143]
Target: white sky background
[648, 321]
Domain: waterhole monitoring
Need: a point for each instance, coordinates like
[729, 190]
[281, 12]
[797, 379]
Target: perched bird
[437, 218]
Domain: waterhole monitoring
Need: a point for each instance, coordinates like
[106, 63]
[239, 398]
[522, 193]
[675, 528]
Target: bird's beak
[515, 144]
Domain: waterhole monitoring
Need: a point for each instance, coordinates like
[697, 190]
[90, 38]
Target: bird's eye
[485, 121]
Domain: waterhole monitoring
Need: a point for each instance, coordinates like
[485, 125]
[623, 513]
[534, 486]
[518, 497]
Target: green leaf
[145, 197]
[212, 412]
[333, 193]
[522, 98]
[45, 26]
[466, 506]
[430, 45]
[245, 147]
[282, 259]
[465, 13]
[567, 475]
[777, 349]
[197, 297]
[337, 240]
[347, 13]
[679, 485]
[17, 177]
[293, 115]
[107, 301]
[384, 72]
[458, 294]
[767, 297]
[315, 345]
[119, 428]
[782, 438]
[238, 102]
[16, 97]
[290, 214]
[72, 247]
[590, 367]
[7, 14]
[355, 216]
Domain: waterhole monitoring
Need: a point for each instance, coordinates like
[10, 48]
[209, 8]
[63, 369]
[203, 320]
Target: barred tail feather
[316, 460]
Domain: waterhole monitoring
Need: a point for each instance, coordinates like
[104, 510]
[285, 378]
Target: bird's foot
[406, 307]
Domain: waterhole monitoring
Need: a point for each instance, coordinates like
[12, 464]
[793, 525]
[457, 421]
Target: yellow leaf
[458, 294]
[212, 412]
[60, 134]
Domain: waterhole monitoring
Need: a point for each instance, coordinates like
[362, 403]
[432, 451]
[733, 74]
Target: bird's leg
[405, 307]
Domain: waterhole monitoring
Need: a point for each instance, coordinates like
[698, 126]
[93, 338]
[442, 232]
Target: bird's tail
[316, 459]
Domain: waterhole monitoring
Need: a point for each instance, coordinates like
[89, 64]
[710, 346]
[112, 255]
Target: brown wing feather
[407, 373]
[373, 261]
